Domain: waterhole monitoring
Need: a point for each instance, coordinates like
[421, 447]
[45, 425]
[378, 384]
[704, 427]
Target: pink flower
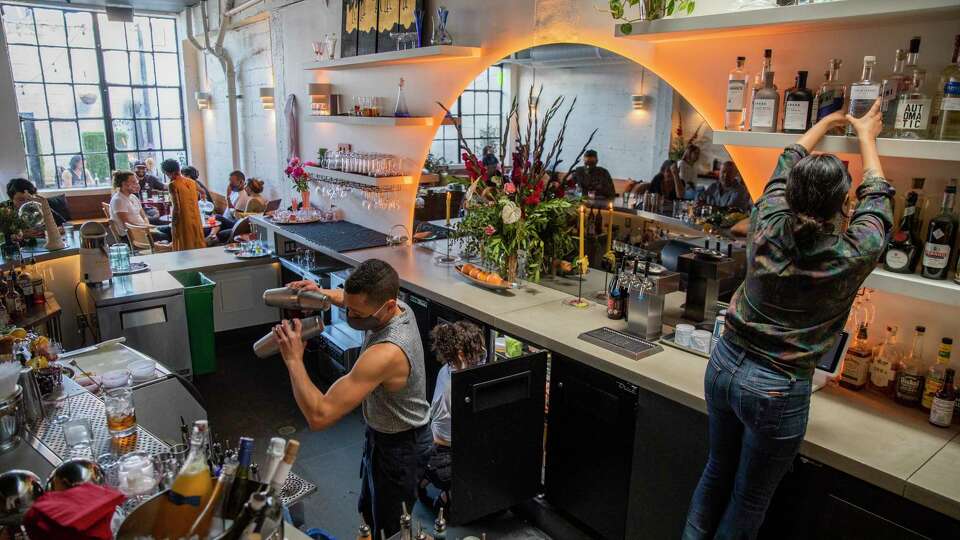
[298, 172]
[288, 171]
[311, 164]
[489, 230]
[510, 188]
[295, 161]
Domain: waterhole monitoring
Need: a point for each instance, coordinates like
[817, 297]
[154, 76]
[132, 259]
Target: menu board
[388, 22]
[367, 37]
[349, 30]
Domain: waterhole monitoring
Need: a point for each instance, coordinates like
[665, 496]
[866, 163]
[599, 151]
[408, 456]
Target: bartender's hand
[289, 339]
[869, 125]
[304, 284]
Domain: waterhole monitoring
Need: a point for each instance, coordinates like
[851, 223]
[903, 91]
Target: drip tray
[621, 343]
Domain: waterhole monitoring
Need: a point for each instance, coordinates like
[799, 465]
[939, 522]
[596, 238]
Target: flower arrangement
[520, 213]
[11, 224]
[296, 173]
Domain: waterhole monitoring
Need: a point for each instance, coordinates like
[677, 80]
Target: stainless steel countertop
[133, 287]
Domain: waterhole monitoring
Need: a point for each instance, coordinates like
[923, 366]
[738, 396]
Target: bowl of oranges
[479, 276]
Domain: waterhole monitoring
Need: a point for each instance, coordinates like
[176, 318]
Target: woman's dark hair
[74, 161]
[170, 166]
[817, 188]
[190, 172]
[666, 165]
[255, 185]
[448, 340]
[119, 177]
[19, 185]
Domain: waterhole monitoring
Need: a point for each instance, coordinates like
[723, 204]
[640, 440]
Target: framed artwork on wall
[367, 36]
[388, 22]
[408, 21]
[350, 28]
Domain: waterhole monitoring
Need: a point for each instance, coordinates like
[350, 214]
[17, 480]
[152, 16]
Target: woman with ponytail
[803, 272]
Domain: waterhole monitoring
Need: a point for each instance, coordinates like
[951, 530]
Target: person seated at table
[666, 183]
[728, 190]
[186, 224]
[255, 204]
[76, 174]
[148, 182]
[236, 192]
[125, 207]
[593, 179]
[458, 345]
[21, 190]
[192, 173]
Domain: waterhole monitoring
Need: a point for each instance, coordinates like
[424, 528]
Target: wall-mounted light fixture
[639, 102]
[321, 99]
[266, 97]
[203, 100]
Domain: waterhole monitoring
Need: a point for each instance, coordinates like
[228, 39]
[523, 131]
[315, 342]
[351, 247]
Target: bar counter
[860, 434]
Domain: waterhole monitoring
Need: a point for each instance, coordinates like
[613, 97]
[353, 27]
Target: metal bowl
[19, 489]
[72, 473]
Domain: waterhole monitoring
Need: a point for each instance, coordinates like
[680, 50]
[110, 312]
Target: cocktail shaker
[32, 406]
[267, 346]
[287, 298]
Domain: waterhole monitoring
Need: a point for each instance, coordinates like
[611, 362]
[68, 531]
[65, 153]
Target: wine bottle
[274, 511]
[248, 515]
[614, 299]
[274, 455]
[941, 237]
[201, 526]
[240, 488]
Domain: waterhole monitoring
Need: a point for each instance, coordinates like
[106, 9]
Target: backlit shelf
[780, 20]
[432, 53]
[904, 148]
[360, 178]
[393, 121]
[914, 286]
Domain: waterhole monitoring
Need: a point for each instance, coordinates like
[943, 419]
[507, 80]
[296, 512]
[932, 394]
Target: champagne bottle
[241, 483]
[248, 515]
[274, 511]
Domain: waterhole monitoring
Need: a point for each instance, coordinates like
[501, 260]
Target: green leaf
[626, 29]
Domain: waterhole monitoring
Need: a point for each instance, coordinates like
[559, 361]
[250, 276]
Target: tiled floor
[252, 397]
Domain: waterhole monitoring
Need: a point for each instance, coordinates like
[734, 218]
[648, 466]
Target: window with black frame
[479, 110]
[93, 95]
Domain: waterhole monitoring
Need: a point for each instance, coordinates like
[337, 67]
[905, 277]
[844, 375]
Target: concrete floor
[252, 397]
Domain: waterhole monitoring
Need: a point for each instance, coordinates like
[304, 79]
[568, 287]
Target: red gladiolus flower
[510, 188]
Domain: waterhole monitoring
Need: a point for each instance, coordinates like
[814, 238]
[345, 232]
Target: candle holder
[579, 302]
[448, 259]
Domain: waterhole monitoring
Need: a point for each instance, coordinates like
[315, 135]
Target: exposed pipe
[243, 6]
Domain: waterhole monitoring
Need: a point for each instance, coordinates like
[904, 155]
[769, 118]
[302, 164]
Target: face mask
[370, 322]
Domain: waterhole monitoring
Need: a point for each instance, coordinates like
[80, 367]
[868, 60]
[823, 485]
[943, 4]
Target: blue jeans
[757, 419]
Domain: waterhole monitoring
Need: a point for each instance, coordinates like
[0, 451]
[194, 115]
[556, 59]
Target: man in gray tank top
[388, 380]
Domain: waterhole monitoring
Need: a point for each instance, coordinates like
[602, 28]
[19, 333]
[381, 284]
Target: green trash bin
[198, 298]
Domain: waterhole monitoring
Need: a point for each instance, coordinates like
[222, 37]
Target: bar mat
[340, 236]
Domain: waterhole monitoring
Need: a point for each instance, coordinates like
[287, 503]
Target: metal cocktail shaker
[32, 405]
[287, 298]
[267, 346]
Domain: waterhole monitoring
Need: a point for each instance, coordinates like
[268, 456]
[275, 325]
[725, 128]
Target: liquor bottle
[941, 235]
[190, 490]
[735, 116]
[25, 284]
[400, 110]
[909, 387]
[831, 94]
[758, 80]
[903, 249]
[797, 106]
[253, 508]
[912, 118]
[863, 93]
[913, 57]
[883, 374]
[39, 293]
[950, 74]
[14, 300]
[936, 373]
[765, 106]
[948, 128]
[856, 364]
[894, 84]
[614, 299]
[941, 408]
[241, 482]
[201, 525]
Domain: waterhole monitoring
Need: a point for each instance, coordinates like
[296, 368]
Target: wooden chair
[219, 203]
[141, 241]
[111, 226]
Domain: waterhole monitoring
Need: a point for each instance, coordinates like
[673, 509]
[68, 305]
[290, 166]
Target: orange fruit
[480, 275]
[493, 279]
[467, 268]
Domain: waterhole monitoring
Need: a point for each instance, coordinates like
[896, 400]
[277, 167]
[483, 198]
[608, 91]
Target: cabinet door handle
[466, 399]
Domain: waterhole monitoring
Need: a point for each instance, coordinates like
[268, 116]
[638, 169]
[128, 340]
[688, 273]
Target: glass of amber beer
[121, 416]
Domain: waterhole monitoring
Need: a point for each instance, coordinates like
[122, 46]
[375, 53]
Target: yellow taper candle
[581, 231]
[449, 199]
[610, 228]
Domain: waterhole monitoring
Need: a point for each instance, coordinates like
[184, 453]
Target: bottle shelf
[393, 121]
[904, 148]
[432, 53]
[914, 286]
[780, 20]
[382, 181]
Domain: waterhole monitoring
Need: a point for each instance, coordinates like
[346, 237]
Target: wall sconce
[266, 97]
[639, 102]
[203, 100]
[322, 100]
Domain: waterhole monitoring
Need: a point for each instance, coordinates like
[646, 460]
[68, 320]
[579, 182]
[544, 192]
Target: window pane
[116, 66]
[84, 66]
[18, 24]
[138, 34]
[112, 34]
[60, 99]
[466, 103]
[148, 134]
[121, 102]
[50, 30]
[169, 99]
[450, 151]
[124, 137]
[480, 102]
[56, 66]
[178, 155]
[145, 102]
[480, 83]
[164, 35]
[154, 155]
[42, 171]
[88, 101]
[79, 29]
[25, 63]
[141, 68]
[31, 101]
[72, 170]
[93, 137]
[98, 166]
[65, 137]
[125, 160]
[168, 71]
[36, 137]
[172, 132]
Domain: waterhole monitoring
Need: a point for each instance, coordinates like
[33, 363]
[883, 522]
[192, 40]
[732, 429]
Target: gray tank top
[407, 408]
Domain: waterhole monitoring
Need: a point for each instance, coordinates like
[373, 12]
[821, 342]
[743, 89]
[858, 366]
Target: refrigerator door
[156, 327]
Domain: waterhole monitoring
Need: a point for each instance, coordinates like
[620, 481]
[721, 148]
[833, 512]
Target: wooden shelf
[779, 20]
[361, 178]
[432, 53]
[904, 148]
[914, 286]
[392, 121]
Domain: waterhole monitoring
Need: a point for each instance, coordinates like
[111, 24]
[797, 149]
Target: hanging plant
[650, 10]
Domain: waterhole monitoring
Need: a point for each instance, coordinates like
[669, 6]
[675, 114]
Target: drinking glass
[78, 434]
[121, 414]
[136, 477]
[110, 465]
[165, 467]
[56, 406]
